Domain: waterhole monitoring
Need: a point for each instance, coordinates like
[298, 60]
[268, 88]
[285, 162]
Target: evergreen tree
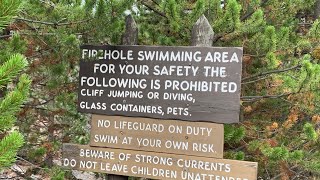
[280, 113]
[53, 31]
[11, 64]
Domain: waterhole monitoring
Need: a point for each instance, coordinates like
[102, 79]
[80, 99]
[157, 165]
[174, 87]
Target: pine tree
[53, 31]
[10, 67]
[280, 113]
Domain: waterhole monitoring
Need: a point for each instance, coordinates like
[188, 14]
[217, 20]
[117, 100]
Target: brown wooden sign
[185, 83]
[155, 165]
[168, 136]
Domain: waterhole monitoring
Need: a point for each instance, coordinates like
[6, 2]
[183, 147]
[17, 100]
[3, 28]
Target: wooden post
[130, 37]
[202, 33]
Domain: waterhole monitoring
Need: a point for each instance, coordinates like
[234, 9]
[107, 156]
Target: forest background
[39, 57]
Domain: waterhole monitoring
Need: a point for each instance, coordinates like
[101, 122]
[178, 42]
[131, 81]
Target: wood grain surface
[168, 136]
[155, 165]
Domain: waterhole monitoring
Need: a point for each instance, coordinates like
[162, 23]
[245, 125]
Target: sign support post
[130, 37]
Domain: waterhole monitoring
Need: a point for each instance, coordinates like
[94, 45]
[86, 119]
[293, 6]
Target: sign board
[184, 83]
[155, 165]
[168, 136]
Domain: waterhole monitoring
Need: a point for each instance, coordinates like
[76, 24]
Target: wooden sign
[168, 136]
[155, 165]
[185, 83]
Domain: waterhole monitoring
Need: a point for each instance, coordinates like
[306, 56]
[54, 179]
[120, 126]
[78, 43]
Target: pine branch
[8, 9]
[39, 34]
[255, 98]
[6, 122]
[217, 37]
[271, 72]
[52, 23]
[249, 14]
[154, 1]
[11, 68]
[256, 80]
[266, 96]
[13, 100]
[153, 9]
[35, 21]
[9, 147]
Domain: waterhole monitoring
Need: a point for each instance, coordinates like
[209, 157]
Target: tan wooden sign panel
[155, 165]
[168, 136]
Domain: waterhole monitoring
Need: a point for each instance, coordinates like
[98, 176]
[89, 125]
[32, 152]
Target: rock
[36, 177]
[84, 175]
[57, 162]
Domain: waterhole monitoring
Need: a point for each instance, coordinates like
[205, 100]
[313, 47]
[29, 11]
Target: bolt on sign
[183, 83]
[167, 136]
[155, 165]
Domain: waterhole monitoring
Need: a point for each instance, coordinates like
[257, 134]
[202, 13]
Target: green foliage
[271, 40]
[171, 8]
[296, 155]
[309, 132]
[239, 155]
[254, 24]
[314, 166]
[9, 146]
[57, 174]
[11, 64]
[101, 9]
[254, 145]
[272, 60]
[277, 153]
[198, 10]
[314, 31]
[89, 6]
[11, 68]
[37, 154]
[6, 122]
[15, 45]
[303, 46]
[10, 105]
[231, 19]
[215, 11]
[12, 101]
[233, 134]
[8, 10]
[283, 36]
